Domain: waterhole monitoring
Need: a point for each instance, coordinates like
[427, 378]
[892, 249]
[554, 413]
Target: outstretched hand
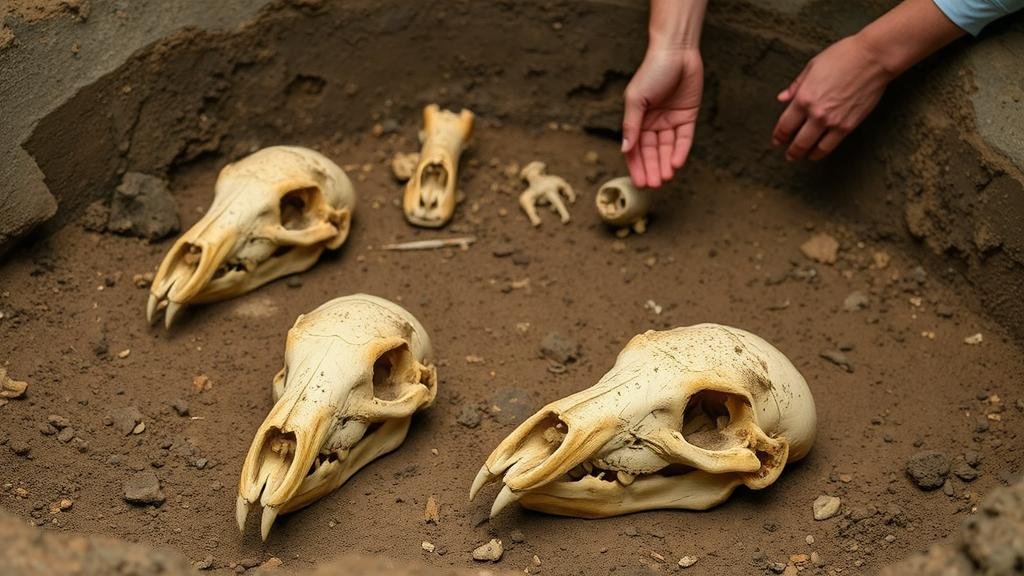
[662, 101]
[835, 92]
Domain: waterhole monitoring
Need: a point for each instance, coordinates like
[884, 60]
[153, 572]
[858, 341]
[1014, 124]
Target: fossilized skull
[622, 204]
[429, 198]
[355, 371]
[273, 214]
[683, 418]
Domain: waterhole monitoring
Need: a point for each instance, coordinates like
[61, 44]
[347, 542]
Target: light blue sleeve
[973, 15]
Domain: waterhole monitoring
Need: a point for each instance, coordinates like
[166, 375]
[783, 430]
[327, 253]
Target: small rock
[838, 358]
[856, 301]
[143, 280]
[404, 165]
[294, 282]
[10, 388]
[777, 567]
[928, 469]
[517, 537]
[469, 417]
[139, 428]
[125, 419]
[271, 565]
[816, 559]
[974, 339]
[142, 206]
[248, 563]
[427, 546]
[687, 561]
[143, 488]
[825, 507]
[490, 552]
[821, 247]
[66, 435]
[19, 447]
[503, 250]
[560, 349]
[432, 512]
[964, 471]
[972, 458]
[58, 422]
[65, 504]
[809, 539]
[180, 406]
[205, 564]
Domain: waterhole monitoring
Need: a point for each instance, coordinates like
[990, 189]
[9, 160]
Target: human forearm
[907, 34]
[676, 24]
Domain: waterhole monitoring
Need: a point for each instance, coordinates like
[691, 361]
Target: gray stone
[559, 348]
[928, 469]
[857, 300]
[143, 488]
[125, 419]
[469, 417]
[142, 206]
[825, 507]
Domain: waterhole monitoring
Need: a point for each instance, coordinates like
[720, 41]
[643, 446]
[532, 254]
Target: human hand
[662, 101]
[835, 92]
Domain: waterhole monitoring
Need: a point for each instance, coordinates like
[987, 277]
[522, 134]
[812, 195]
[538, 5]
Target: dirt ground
[719, 249]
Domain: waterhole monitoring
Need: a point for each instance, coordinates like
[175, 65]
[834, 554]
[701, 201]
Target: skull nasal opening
[277, 445]
[708, 413]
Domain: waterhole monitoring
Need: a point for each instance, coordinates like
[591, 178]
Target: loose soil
[719, 249]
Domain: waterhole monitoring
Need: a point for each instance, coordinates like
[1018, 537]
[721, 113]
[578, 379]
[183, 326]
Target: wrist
[885, 55]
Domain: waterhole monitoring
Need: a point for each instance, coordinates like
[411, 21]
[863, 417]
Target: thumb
[632, 119]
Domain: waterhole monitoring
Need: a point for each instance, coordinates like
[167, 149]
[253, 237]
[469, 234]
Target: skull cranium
[429, 198]
[356, 369]
[273, 214]
[683, 418]
[620, 203]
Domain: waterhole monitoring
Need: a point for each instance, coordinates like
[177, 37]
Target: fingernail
[625, 144]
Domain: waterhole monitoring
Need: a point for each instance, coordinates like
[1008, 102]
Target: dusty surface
[719, 249]
[880, 340]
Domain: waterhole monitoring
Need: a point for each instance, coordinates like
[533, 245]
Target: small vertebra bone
[273, 213]
[544, 189]
[356, 369]
[683, 418]
[622, 204]
[430, 193]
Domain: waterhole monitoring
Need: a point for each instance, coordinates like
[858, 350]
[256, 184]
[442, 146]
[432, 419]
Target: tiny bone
[462, 242]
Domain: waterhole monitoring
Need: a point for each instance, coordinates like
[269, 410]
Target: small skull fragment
[621, 204]
[683, 418]
[273, 213]
[356, 369]
[429, 199]
[544, 189]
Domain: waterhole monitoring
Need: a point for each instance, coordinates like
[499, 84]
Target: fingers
[649, 153]
[684, 140]
[666, 144]
[632, 118]
[636, 167]
[792, 118]
[828, 143]
[787, 94]
[805, 139]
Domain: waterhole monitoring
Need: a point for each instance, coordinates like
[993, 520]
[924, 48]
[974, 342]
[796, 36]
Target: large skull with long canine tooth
[273, 214]
[683, 418]
[355, 371]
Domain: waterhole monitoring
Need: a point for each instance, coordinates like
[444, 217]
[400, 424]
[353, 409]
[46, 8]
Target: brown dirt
[724, 246]
[720, 249]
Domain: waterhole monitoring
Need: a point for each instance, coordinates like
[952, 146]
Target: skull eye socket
[394, 370]
[613, 199]
[298, 207]
[707, 416]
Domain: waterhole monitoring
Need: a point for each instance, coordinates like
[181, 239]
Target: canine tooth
[241, 512]
[269, 515]
[504, 498]
[625, 478]
[173, 308]
[483, 477]
[588, 467]
[151, 308]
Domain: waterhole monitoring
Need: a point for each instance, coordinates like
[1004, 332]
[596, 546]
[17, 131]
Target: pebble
[809, 539]
[205, 564]
[180, 406]
[559, 348]
[964, 471]
[825, 507]
[432, 512]
[838, 358]
[816, 559]
[427, 546]
[490, 552]
[139, 428]
[822, 247]
[503, 250]
[974, 339]
[687, 561]
[928, 469]
[19, 447]
[777, 567]
[126, 418]
[517, 537]
[66, 435]
[857, 300]
[469, 417]
[143, 488]
[58, 422]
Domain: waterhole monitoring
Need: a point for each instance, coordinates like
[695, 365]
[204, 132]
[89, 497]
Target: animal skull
[622, 204]
[544, 189]
[355, 371]
[429, 199]
[273, 213]
[683, 418]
